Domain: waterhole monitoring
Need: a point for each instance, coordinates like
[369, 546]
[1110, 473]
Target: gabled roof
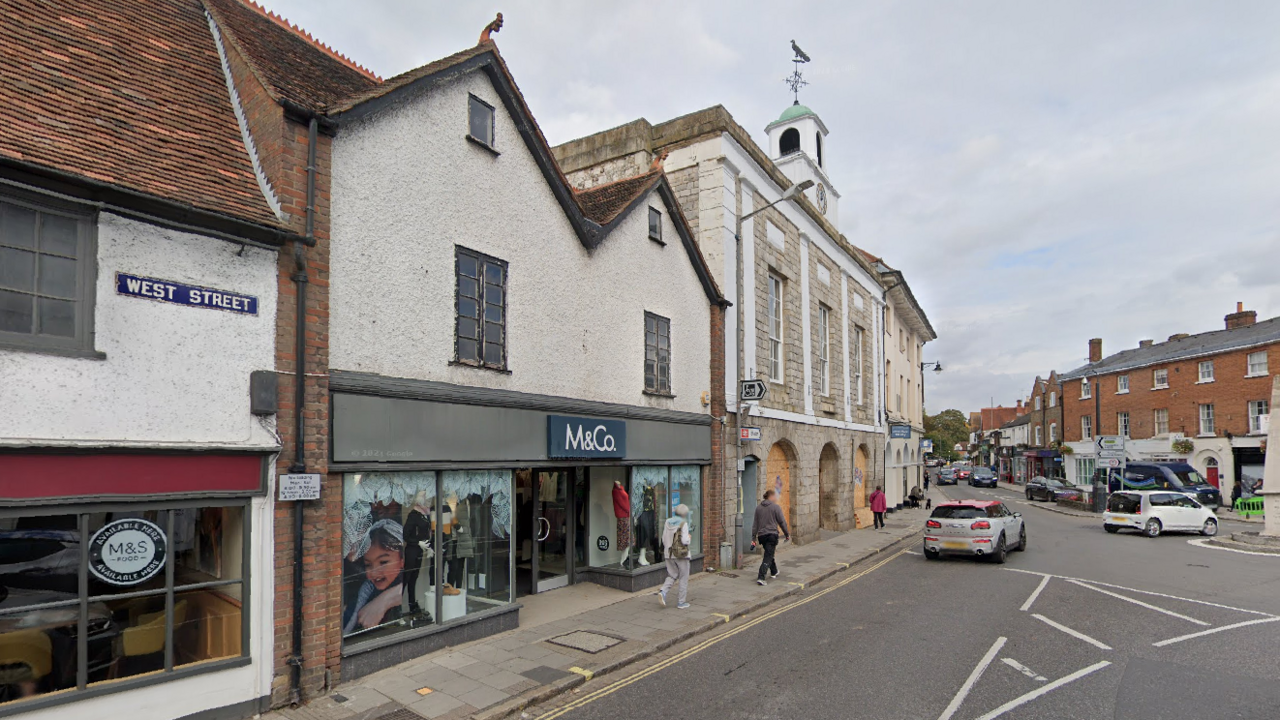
[128, 98]
[1020, 420]
[603, 203]
[1210, 343]
[291, 64]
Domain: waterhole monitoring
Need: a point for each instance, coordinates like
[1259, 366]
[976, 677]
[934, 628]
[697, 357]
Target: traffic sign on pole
[752, 390]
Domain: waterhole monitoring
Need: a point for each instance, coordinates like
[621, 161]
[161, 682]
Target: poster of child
[381, 554]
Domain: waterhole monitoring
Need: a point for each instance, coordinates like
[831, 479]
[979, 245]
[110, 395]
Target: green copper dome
[794, 112]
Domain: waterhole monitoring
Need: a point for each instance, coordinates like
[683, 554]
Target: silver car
[985, 528]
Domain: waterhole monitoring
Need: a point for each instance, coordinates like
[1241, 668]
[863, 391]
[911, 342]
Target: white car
[1152, 512]
[985, 528]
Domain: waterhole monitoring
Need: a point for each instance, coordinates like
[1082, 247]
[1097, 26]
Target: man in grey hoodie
[768, 521]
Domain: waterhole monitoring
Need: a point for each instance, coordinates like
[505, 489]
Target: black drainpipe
[299, 465]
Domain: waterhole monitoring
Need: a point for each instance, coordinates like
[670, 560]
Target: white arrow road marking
[1024, 699]
[1202, 633]
[1027, 605]
[973, 678]
[1139, 603]
[1023, 669]
[1203, 543]
[1072, 633]
[1144, 592]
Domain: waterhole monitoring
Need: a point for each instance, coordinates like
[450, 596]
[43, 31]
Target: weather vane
[795, 79]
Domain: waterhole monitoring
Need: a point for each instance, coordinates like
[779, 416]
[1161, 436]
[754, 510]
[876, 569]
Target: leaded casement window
[1206, 419]
[1257, 409]
[1257, 364]
[480, 121]
[1161, 421]
[824, 349]
[657, 354]
[480, 336]
[1159, 378]
[47, 273]
[1122, 424]
[1206, 371]
[774, 311]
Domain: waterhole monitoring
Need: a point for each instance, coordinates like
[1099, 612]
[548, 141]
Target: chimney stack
[1095, 350]
[1178, 336]
[1241, 317]
[1146, 343]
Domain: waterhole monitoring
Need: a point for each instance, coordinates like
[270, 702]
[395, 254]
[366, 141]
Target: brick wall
[1229, 393]
[713, 486]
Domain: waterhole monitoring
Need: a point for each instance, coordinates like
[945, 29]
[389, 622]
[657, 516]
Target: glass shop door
[552, 528]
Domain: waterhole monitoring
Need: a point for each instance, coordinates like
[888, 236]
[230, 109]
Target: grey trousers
[677, 570]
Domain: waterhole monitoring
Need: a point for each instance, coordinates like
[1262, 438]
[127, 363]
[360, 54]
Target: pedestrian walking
[878, 506]
[768, 522]
[675, 547]
[1237, 491]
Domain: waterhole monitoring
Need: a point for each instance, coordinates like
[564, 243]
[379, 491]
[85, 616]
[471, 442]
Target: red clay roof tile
[602, 203]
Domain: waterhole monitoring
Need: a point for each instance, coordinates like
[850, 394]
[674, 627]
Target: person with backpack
[675, 546]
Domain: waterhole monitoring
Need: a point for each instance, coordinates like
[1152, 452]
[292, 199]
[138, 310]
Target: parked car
[947, 476]
[982, 477]
[985, 528]
[1176, 476]
[1152, 512]
[1046, 489]
[963, 472]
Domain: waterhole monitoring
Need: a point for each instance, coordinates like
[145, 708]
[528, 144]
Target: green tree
[945, 430]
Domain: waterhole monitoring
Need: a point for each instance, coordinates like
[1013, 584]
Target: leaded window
[657, 354]
[480, 336]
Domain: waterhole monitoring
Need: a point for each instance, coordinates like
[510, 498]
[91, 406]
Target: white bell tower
[798, 146]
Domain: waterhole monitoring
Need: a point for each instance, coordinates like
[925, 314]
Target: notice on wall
[298, 486]
[180, 294]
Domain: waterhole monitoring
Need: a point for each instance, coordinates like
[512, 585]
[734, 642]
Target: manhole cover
[401, 714]
[728, 574]
[588, 642]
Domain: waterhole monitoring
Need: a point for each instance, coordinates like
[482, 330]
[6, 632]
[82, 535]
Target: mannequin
[417, 537]
[622, 513]
[646, 529]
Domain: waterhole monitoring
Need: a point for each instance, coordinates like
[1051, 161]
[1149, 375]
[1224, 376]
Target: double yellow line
[618, 685]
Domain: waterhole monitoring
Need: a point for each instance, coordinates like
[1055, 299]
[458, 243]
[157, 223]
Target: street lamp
[790, 193]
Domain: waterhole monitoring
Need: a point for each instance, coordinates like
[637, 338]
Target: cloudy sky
[1043, 172]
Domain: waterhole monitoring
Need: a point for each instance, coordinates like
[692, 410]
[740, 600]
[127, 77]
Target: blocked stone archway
[861, 476]
[829, 488]
[778, 464]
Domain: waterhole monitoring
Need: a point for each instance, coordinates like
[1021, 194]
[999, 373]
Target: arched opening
[829, 488]
[1211, 470]
[861, 462]
[903, 468]
[790, 141]
[778, 478]
[818, 137]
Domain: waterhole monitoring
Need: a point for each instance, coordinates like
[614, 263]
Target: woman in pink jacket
[878, 507]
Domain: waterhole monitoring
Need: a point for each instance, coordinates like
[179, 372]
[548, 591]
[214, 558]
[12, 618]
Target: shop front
[125, 582]
[457, 501]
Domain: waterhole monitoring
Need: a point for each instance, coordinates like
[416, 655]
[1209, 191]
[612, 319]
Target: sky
[1042, 172]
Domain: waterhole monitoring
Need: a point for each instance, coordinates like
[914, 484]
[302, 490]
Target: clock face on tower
[822, 198]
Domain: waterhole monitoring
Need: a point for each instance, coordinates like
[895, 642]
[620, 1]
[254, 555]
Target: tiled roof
[1020, 420]
[347, 102]
[603, 202]
[1218, 341]
[293, 65]
[127, 93]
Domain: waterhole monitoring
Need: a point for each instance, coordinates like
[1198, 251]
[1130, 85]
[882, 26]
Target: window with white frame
[1053, 399]
[1257, 409]
[1122, 384]
[1086, 427]
[1159, 378]
[1086, 389]
[1039, 440]
[775, 328]
[1084, 470]
[1161, 421]
[1053, 432]
[1206, 419]
[1257, 364]
[824, 343]
[857, 362]
[1122, 423]
[1037, 402]
[1206, 371]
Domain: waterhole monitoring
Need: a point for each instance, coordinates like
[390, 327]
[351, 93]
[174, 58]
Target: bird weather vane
[796, 80]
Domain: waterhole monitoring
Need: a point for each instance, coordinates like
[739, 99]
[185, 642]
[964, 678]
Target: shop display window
[650, 508]
[423, 548]
[686, 488]
[104, 594]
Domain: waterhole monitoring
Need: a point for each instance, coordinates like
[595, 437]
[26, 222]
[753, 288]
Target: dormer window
[790, 141]
[480, 125]
[655, 226]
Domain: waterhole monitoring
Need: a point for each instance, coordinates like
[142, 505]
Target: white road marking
[1024, 699]
[1203, 543]
[1024, 669]
[1144, 592]
[1202, 633]
[973, 678]
[1072, 633]
[1139, 603]
[911, 552]
[1027, 605]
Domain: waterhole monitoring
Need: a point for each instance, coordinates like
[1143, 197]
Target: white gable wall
[408, 188]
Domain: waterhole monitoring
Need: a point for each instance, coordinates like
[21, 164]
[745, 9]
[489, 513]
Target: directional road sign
[752, 390]
[1110, 446]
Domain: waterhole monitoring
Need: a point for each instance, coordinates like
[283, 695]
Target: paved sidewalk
[502, 674]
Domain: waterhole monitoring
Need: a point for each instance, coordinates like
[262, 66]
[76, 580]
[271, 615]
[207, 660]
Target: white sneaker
[761, 583]
[662, 598]
[773, 576]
